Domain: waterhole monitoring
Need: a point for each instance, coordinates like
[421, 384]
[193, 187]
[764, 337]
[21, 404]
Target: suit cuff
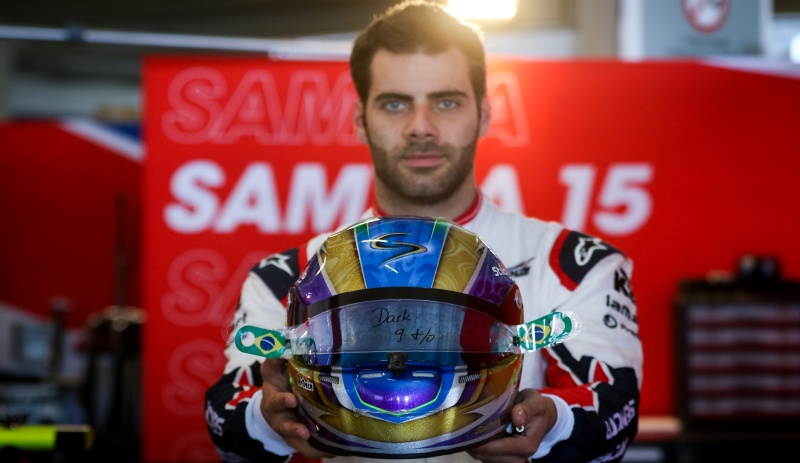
[561, 430]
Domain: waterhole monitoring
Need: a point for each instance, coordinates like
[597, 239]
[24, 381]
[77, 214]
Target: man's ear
[360, 121]
[485, 117]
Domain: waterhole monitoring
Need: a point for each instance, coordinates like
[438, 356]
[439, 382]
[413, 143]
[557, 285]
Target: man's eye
[394, 105]
[448, 104]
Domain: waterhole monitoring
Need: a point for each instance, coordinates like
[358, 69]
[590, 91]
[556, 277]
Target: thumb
[522, 410]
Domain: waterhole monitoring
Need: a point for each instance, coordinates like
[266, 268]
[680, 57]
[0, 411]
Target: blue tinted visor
[430, 331]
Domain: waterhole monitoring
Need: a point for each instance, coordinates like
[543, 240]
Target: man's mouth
[423, 159]
[423, 155]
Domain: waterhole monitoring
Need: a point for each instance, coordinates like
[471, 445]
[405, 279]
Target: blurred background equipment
[45, 443]
[738, 362]
[42, 417]
[111, 390]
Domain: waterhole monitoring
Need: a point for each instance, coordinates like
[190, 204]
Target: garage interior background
[66, 61]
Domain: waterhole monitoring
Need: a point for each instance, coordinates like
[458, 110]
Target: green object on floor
[47, 437]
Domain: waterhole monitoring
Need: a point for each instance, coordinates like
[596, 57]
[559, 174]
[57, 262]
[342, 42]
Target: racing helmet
[400, 317]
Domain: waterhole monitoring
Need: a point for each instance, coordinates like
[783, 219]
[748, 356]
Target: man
[420, 76]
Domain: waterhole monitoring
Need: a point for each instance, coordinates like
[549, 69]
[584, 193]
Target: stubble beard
[424, 186]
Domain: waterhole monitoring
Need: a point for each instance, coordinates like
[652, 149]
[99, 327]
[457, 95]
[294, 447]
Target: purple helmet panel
[488, 285]
[312, 286]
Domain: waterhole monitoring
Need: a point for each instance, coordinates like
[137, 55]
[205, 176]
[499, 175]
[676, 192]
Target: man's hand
[278, 405]
[532, 410]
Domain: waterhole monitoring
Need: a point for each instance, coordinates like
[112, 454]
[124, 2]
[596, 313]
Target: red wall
[67, 204]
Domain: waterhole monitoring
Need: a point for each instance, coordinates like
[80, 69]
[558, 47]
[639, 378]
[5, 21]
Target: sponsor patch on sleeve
[279, 271]
[574, 254]
[622, 284]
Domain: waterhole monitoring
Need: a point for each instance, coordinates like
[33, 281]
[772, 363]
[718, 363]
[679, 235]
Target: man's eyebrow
[393, 96]
[447, 94]
[431, 96]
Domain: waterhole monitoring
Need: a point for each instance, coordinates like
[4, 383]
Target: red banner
[685, 166]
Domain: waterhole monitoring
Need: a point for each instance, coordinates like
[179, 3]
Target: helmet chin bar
[460, 416]
[422, 389]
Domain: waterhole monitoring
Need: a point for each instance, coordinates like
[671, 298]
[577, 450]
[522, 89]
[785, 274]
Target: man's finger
[279, 402]
[291, 429]
[273, 372]
[514, 449]
[522, 411]
[507, 445]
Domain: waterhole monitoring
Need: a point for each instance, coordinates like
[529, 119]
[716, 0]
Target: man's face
[422, 123]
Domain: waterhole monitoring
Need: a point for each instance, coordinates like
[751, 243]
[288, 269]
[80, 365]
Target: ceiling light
[482, 9]
[794, 49]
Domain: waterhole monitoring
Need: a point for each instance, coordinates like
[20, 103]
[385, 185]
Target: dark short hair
[412, 27]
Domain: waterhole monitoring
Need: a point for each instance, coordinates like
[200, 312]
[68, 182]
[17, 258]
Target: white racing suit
[594, 378]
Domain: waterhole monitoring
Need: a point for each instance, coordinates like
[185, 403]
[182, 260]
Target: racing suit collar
[463, 219]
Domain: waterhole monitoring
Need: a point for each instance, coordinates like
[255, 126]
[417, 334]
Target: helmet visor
[426, 330]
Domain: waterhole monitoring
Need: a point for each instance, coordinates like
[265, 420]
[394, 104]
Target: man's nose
[421, 125]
